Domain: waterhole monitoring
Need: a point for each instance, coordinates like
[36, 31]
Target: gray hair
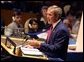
[56, 9]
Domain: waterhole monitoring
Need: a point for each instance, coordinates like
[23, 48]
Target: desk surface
[10, 50]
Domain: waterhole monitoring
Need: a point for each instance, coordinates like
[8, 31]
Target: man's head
[44, 10]
[17, 17]
[53, 14]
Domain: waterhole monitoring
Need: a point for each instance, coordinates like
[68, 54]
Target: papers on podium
[42, 35]
[31, 52]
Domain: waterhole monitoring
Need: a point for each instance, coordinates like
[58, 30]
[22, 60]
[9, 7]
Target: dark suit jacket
[58, 42]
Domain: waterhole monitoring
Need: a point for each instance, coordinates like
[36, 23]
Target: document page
[31, 51]
[42, 35]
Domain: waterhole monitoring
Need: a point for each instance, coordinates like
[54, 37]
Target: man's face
[44, 12]
[50, 16]
[18, 18]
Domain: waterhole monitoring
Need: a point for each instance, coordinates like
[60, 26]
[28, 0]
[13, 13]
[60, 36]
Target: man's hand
[34, 43]
[28, 46]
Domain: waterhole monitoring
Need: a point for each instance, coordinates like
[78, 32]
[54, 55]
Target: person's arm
[60, 41]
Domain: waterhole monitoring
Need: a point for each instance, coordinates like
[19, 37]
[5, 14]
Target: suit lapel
[53, 32]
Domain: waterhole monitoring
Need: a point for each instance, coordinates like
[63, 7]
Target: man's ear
[13, 18]
[56, 16]
[30, 26]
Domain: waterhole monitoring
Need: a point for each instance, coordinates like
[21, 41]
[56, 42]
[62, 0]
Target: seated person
[43, 23]
[68, 22]
[31, 26]
[15, 27]
[44, 16]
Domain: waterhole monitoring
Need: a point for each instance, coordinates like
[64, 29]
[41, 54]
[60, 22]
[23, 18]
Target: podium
[9, 44]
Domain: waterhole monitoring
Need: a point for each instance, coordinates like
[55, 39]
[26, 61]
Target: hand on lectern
[29, 46]
[34, 43]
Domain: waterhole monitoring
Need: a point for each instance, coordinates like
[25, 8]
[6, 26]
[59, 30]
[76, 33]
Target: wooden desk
[10, 50]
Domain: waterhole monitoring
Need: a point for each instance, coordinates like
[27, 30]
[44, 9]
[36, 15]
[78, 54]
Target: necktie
[49, 33]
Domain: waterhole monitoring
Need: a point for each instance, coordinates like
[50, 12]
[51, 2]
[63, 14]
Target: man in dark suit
[57, 44]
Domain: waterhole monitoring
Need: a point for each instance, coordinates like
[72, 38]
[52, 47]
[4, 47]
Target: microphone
[26, 38]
